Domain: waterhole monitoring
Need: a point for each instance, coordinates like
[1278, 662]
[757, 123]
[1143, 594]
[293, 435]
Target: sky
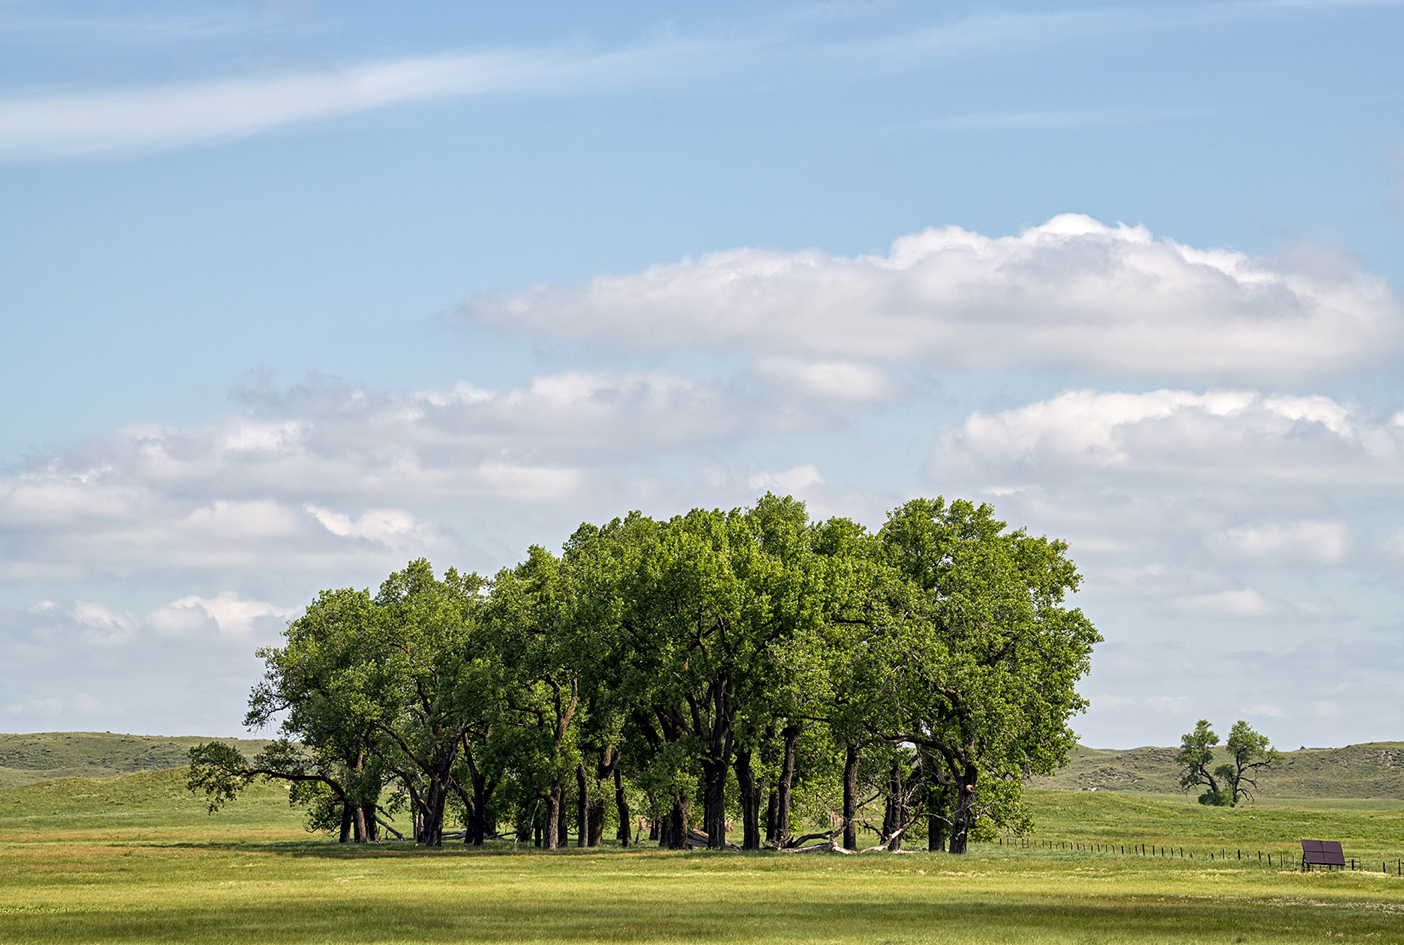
[292, 293]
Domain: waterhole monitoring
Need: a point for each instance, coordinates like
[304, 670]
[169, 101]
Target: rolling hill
[1371, 770]
[25, 759]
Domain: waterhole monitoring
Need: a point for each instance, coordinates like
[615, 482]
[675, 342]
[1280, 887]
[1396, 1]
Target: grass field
[136, 859]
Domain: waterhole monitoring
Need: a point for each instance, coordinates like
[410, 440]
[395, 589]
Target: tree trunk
[772, 815]
[750, 801]
[482, 795]
[850, 796]
[714, 803]
[562, 819]
[358, 822]
[964, 816]
[621, 802]
[675, 834]
[597, 819]
[582, 806]
[895, 816]
[555, 814]
[372, 825]
[345, 822]
[791, 734]
[936, 806]
[432, 828]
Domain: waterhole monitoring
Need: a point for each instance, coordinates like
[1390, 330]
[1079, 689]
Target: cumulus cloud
[1226, 436]
[795, 481]
[326, 476]
[1072, 293]
[231, 614]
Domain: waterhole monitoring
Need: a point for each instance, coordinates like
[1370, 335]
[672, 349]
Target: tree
[326, 750]
[1249, 753]
[427, 685]
[978, 666]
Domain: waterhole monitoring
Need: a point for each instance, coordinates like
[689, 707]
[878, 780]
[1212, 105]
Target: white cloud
[1111, 702]
[793, 481]
[1227, 436]
[387, 526]
[1318, 542]
[325, 476]
[1070, 293]
[1167, 705]
[831, 380]
[81, 705]
[1240, 603]
[105, 625]
[1266, 709]
[233, 615]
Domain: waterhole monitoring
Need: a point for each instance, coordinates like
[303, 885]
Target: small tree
[1236, 779]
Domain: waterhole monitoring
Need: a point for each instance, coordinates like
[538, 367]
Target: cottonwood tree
[327, 750]
[1249, 753]
[430, 684]
[530, 617]
[980, 674]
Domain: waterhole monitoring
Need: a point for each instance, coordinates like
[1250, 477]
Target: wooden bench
[1325, 853]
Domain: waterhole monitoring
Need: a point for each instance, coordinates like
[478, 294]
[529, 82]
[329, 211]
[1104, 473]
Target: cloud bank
[1070, 294]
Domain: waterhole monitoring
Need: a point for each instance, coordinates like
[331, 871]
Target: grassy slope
[1374, 770]
[25, 759]
[134, 859]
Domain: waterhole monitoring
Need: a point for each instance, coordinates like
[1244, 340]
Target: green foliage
[1236, 779]
[932, 664]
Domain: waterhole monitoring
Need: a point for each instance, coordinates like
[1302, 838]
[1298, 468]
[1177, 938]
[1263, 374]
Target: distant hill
[25, 759]
[1372, 770]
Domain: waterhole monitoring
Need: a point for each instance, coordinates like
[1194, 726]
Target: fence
[1171, 851]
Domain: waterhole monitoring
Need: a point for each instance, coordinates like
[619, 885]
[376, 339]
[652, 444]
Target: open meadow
[136, 858]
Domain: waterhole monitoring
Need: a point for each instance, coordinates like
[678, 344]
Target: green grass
[135, 859]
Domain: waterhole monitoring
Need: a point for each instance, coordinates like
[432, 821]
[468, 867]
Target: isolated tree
[1235, 780]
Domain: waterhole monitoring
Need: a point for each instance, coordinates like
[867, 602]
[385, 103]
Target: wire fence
[1280, 859]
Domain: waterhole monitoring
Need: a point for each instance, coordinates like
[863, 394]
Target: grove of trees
[750, 668]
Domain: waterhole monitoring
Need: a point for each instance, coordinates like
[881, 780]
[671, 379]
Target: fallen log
[830, 846]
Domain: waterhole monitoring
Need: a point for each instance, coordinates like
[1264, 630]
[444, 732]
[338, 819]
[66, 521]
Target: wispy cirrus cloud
[157, 117]
[46, 123]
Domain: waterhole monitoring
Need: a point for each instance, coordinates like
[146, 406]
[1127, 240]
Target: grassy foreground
[129, 859]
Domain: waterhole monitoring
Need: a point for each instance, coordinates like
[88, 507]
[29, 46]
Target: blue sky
[294, 292]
